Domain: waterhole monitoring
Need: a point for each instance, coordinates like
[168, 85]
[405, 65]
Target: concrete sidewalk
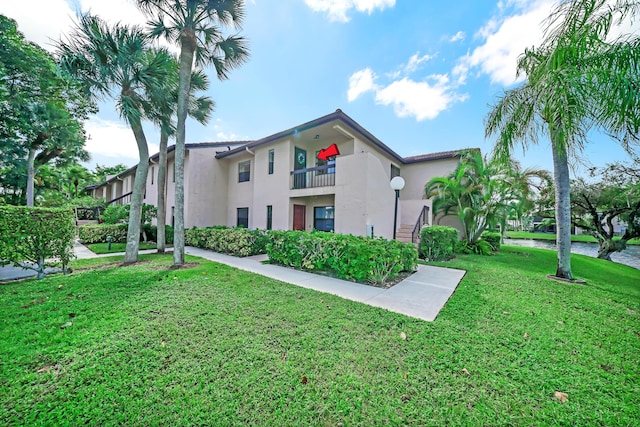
[422, 295]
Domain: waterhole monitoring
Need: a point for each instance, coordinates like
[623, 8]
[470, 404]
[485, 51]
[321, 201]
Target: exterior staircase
[403, 234]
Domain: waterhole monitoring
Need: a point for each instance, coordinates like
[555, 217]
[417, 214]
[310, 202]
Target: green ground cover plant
[551, 236]
[374, 261]
[212, 345]
[103, 248]
[234, 241]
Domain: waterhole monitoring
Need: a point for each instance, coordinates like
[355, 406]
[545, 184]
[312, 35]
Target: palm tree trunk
[139, 184]
[562, 206]
[31, 176]
[162, 192]
[187, 49]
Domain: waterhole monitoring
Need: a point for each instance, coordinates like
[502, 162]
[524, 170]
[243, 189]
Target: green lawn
[550, 236]
[102, 248]
[212, 345]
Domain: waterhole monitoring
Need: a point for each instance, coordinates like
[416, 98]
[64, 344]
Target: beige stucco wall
[206, 189]
[240, 194]
[363, 195]
[271, 189]
[416, 175]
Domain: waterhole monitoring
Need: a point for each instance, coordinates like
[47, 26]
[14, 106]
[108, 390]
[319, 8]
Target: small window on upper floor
[272, 155]
[395, 171]
[244, 171]
[152, 171]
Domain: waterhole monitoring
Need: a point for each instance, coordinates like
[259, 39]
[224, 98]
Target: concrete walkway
[422, 295]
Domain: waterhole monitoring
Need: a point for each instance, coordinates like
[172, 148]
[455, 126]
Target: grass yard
[102, 248]
[212, 345]
[551, 236]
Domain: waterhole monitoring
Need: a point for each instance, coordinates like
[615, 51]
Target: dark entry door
[299, 163]
[299, 215]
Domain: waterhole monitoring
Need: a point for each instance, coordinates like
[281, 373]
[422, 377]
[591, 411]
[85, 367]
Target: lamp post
[397, 184]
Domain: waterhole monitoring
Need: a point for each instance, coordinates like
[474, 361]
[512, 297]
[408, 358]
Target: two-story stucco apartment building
[278, 182]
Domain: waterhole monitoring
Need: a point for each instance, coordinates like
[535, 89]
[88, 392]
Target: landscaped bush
[493, 239]
[98, 233]
[35, 235]
[437, 242]
[115, 214]
[234, 241]
[348, 257]
[152, 233]
[481, 247]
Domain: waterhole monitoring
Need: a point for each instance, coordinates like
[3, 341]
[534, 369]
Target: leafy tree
[596, 206]
[576, 80]
[40, 119]
[118, 62]
[196, 25]
[481, 193]
[102, 172]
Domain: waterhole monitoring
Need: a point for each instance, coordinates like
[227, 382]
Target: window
[244, 171]
[243, 218]
[173, 178]
[173, 216]
[272, 156]
[395, 171]
[152, 171]
[323, 217]
[269, 217]
[331, 163]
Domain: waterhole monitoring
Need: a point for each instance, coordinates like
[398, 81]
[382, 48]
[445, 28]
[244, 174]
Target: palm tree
[196, 26]
[200, 109]
[117, 62]
[481, 193]
[576, 80]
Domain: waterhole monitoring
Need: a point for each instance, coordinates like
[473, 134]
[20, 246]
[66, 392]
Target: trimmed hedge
[234, 241]
[35, 235]
[356, 258]
[98, 233]
[493, 239]
[438, 243]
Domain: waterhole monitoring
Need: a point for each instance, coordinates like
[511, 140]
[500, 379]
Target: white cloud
[422, 100]
[113, 139]
[337, 9]
[505, 38]
[42, 22]
[123, 11]
[361, 82]
[414, 62]
[460, 35]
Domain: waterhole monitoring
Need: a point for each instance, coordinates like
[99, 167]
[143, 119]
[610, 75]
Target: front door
[299, 163]
[299, 215]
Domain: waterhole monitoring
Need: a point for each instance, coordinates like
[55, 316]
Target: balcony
[316, 177]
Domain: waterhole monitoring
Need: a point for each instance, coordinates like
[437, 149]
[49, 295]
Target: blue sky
[420, 75]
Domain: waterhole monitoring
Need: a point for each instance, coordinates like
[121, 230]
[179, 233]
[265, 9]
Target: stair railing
[423, 219]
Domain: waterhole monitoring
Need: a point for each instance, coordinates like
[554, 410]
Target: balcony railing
[125, 199]
[319, 176]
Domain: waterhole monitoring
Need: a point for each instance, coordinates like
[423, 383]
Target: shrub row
[437, 243]
[347, 257]
[234, 241]
[98, 233]
[35, 235]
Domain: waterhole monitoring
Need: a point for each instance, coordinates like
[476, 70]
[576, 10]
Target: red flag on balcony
[330, 151]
